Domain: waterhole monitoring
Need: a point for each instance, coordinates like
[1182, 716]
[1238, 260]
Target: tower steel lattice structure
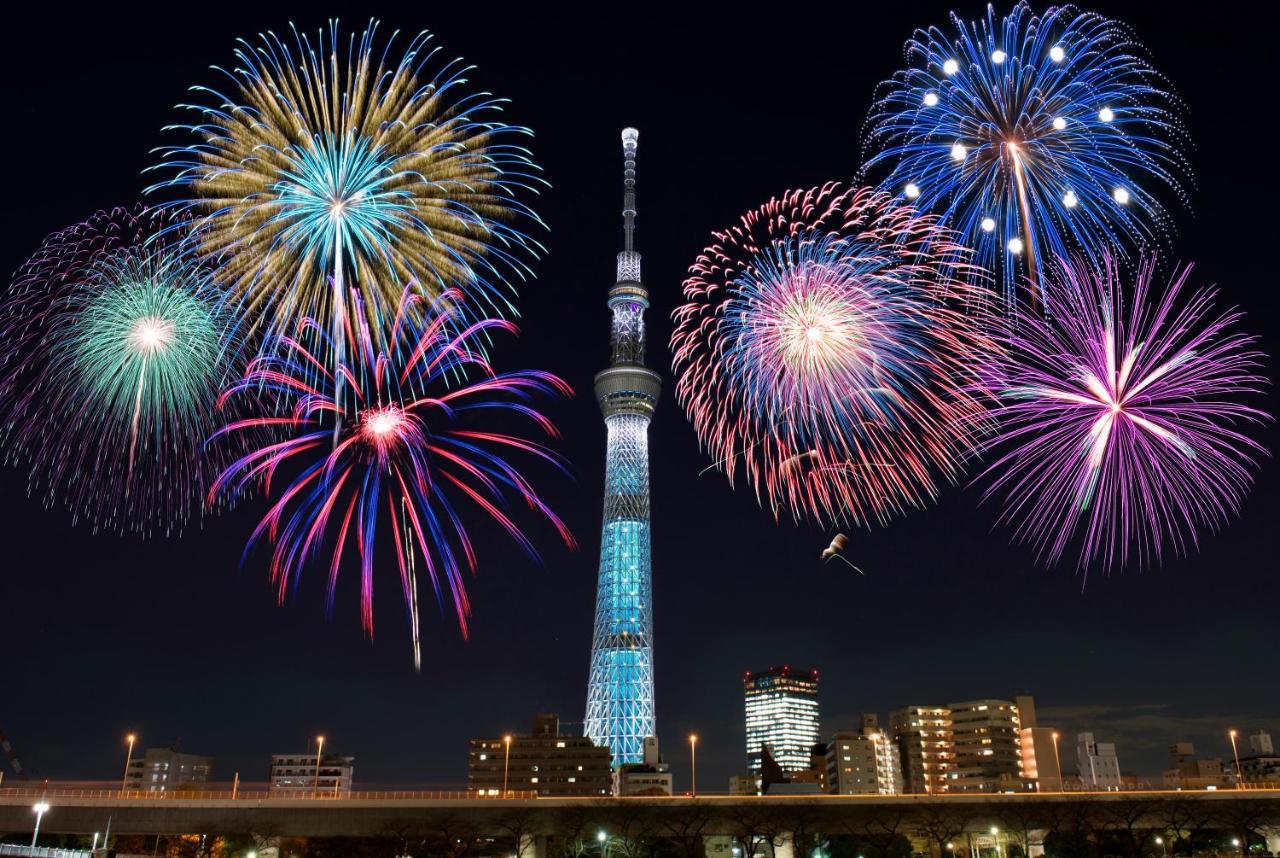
[620, 706]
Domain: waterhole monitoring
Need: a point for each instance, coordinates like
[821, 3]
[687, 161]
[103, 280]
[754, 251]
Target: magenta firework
[827, 352]
[1123, 420]
[397, 465]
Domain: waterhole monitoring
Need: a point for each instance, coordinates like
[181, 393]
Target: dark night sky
[104, 634]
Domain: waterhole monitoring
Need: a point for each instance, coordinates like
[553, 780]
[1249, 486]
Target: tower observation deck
[620, 707]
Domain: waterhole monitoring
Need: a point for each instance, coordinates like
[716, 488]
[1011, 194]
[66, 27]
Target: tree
[684, 828]
[940, 824]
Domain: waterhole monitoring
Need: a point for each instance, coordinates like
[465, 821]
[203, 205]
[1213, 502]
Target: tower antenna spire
[630, 139]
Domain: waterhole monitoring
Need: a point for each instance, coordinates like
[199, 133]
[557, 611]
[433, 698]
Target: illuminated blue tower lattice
[620, 711]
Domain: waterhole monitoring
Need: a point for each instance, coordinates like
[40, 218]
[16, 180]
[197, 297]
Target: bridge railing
[43, 851]
[98, 792]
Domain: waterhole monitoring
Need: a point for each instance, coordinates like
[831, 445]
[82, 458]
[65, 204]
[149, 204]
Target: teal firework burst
[112, 379]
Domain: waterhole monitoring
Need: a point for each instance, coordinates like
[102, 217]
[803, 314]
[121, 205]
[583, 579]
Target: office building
[925, 748]
[863, 762]
[311, 774]
[1098, 764]
[166, 770]
[781, 715]
[545, 762]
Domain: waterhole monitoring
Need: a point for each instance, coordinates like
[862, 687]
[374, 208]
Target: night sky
[177, 640]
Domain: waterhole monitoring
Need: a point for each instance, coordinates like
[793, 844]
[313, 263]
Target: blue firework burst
[1034, 136]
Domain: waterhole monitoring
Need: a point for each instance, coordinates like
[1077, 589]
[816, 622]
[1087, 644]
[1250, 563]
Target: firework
[327, 169]
[402, 470]
[115, 352]
[1121, 421]
[1033, 136]
[827, 351]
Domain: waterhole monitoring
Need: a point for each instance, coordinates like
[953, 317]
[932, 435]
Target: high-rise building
[620, 704]
[975, 746]
[544, 762]
[304, 774]
[782, 715]
[864, 762]
[989, 756]
[925, 747]
[1099, 766]
[166, 770]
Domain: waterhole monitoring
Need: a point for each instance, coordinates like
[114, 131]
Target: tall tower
[620, 710]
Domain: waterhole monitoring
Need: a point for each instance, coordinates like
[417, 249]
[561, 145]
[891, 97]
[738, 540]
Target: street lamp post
[124, 781]
[1164, 850]
[506, 763]
[693, 764]
[603, 840]
[40, 808]
[1057, 761]
[315, 785]
[995, 836]
[1236, 753]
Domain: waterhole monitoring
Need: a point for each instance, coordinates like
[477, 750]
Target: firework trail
[330, 166]
[828, 351]
[116, 346]
[412, 459]
[1121, 420]
[1033, 136]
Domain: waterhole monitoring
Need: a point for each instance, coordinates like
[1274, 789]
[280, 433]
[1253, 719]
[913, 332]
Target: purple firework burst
[1122, 424]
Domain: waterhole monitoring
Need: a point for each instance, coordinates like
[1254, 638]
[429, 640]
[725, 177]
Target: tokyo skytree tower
[620, 709]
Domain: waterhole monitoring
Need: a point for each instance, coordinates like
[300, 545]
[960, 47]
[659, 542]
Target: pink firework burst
[828, 350]
[1121, 421]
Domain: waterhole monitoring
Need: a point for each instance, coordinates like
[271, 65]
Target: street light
[603, 840]
[315, 784]
[1057, 761]
[506, 763]
[1236, 753]
[995, 835]
[40, 808]
[124, 781]
[94, 847]
[1164, 850]
[693, 764]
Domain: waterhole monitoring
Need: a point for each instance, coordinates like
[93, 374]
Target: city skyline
[178, 640]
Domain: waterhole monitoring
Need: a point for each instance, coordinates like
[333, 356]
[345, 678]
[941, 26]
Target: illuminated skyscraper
[782, 715]
[620, 709]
